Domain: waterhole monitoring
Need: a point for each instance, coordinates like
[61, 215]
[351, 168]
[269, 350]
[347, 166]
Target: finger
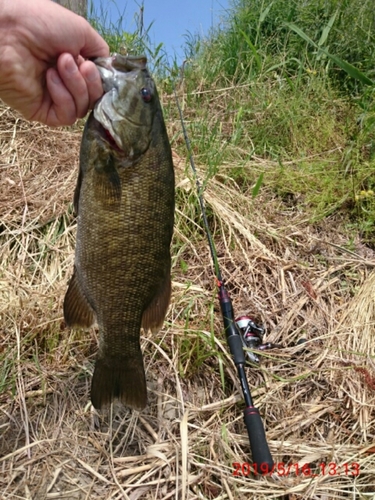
[74, 82]
[94, 45]
[93, 81]
[61, 105]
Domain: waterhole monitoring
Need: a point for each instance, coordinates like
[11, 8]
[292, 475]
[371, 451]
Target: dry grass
[299, 280]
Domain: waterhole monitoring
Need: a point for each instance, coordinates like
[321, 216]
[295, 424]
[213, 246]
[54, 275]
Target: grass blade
[257, 186]
[253, 49]
[327, 29]
[351, 70]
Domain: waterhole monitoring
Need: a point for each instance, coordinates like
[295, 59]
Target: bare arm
[43, 73]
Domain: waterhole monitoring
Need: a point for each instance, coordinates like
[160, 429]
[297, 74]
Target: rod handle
[258, 443]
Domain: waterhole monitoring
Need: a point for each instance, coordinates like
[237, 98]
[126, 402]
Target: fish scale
[125, 204]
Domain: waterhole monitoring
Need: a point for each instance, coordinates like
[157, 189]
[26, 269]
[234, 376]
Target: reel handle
[258, 443]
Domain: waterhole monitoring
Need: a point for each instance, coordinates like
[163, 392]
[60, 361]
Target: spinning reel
[252, 337]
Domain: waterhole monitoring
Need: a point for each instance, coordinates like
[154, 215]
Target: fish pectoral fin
[77, 310]
[120, 378]
[154, 315]
[108, 185]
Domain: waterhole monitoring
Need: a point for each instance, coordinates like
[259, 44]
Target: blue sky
[172, 19]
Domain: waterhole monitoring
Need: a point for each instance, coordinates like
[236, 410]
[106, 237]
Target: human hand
[43, 73]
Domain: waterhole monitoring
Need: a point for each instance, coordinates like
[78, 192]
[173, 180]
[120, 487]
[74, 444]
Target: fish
[124, 201]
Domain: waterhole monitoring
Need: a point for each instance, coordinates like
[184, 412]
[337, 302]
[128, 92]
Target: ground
[299, 279]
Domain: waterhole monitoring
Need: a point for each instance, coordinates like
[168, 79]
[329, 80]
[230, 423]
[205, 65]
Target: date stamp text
[284, 469]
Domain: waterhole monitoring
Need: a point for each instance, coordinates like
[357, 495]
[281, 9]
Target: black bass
[125, 204]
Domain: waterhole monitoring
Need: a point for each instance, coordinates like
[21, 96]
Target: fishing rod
[240, 332]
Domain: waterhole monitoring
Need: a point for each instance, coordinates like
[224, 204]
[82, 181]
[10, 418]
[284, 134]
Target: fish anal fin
[154, 315]
[77, 310]
[121, 378]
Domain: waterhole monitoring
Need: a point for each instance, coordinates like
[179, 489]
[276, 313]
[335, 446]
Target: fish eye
[146, 94]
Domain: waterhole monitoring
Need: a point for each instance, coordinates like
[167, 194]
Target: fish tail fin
[119, 377]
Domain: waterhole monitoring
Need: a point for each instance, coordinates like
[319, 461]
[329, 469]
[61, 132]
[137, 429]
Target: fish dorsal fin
[77, 310]
[154, 315]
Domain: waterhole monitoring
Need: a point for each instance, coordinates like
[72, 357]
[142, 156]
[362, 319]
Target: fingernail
[71, 66]
[55, 78]
[92, 74]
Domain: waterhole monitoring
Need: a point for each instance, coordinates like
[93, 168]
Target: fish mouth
[118, 62]
[106, 120]
[110, 67]
[107, 137]
[110, 137]
[114, 73]
[110, 140]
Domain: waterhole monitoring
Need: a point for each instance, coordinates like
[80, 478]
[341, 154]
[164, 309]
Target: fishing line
[236, 331]
[199, 191]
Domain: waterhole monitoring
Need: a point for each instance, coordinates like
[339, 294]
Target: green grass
[282, 82]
